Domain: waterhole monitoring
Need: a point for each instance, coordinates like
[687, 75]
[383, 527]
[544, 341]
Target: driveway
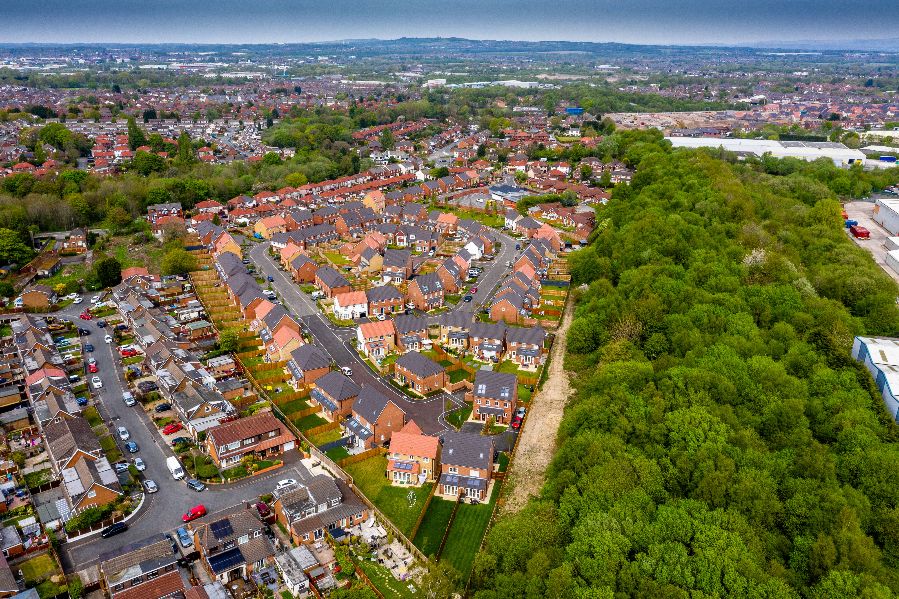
[862, 211]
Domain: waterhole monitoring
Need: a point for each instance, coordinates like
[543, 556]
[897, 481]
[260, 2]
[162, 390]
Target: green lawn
[337, 453]
[109, 447]
[430, 533]
[336, 258]
[383, 579]
[465, 536]
[457, 417]
[325, 437]
[310, 421]
[524, 394]
[371, 476]
[294, 406]
[38, 568]
[458, 375]
[92, 416]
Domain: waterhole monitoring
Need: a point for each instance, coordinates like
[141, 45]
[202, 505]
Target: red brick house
[414, 457]
[331, 282]
[374, 419]
[336, 394]
[419, 373]
[466, 465]
[262, 435]
[493, 394]
[426, 292]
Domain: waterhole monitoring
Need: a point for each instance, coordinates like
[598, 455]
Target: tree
[439, 581]
[146, 163]
[109, 272]
[387, 140]
[271, 159]
[149, 114]
[12, 249]
[229, 340]
[185, 149]
[117, 219]
[178, 261]
[6, 289]
[521, 177]
[296, 179]
[136, 135]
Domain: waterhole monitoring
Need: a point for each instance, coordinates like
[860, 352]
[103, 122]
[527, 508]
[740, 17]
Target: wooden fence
[424, 511]
[322, 428]
[361, 457]
[449, 525]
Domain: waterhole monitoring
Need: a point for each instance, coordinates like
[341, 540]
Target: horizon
[718, 23]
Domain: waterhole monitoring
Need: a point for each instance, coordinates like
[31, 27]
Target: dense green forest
[721, 441]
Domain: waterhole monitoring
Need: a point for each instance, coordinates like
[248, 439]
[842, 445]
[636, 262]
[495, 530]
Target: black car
[163, 407]
[147, 386]
[83, 332]
[88, 347]
[467, 298]
[113, 529]
[101, 323]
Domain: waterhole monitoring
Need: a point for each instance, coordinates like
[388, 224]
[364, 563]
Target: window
[474, 473]
[257, 534]
[91, 493]
[453, 470]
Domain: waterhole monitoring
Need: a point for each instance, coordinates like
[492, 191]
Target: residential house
[466, 465]
[411, 333]
[384, 299]
[419, 373]
[69, 441]
[261, 435]
[307, 364]
[331, 282]
[350, 305]
[454, 329]
[486, 340]
[377, 338]
[524, 346]
[148, 571]
[38, 297]
[494, 394]
[90, 483]
[413, 458]
[335, 393]
[316, 505]
[232, 543]
[397, 265]
[426, 292]
[157, 212]
[374, 419]
[303, 269]
[75, 242]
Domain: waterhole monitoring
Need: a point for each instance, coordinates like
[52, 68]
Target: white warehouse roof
[806, 150]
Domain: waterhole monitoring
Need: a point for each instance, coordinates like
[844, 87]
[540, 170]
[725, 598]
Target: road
[161, 511]
[335, 341]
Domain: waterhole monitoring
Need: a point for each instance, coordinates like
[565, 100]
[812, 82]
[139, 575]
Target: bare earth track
[537, 444]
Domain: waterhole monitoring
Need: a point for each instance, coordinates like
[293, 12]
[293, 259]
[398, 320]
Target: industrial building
[880, 355]
[886, 214]
[806, 150]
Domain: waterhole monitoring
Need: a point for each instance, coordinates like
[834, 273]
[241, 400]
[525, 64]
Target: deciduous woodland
[721, 440]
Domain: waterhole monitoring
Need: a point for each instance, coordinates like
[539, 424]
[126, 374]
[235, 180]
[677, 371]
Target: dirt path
[538, 439]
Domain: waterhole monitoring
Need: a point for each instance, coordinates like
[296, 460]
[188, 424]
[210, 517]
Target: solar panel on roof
[221, 529]
[225, 561]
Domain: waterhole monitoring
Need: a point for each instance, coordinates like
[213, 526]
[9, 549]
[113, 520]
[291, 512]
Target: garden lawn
[458, 375]
[337, 453]
[466, 534]
[111, 450]
[325, 437]
[430, 533]
[336, 258]
[310, 421]
[293, 406]
[92, 416]
[458, 416]
[370, 476]
[384, 580]
[38, 568]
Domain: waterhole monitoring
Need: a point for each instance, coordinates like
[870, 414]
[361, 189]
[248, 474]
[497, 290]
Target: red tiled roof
[162, 586]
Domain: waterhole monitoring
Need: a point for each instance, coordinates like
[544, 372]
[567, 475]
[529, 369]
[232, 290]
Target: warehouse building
[886, 214]
[880, 355]
[841, 155]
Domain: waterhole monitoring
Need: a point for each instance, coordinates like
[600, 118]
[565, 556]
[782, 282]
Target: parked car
[88, 347]
[197, 511]
[520, 411]
[474, 289]
[287, 482]
[516, 423]
[172, 428]
[95, 299]
[128, 352]
[85, 316]
[184, 538]
[346, 370]
[467, 298]
[96, 382]
[196, 485]
[108, 339]
[113, 529]
[81, 401]
[859, 232]
[132, 447]
[140, 464]
[77, 300]
[124, 435]
[128, 398]
[92, 368]
[163, 407]
[120, 466]
[271, 279]
[181, 441]
[150, 486]
[147, 386]
[101, 324]
[83, 331]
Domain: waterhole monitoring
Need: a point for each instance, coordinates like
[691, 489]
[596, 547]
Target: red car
[193, 513]
[128, 353]
[172, 428]
[85, 316]
[92, 368]
[474, 290]
[516, 423]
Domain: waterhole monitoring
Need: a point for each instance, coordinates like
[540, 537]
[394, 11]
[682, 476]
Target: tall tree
[136, 135]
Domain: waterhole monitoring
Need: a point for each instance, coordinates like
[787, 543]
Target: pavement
[863, 211]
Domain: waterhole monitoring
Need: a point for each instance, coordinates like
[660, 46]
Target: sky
[720, 22]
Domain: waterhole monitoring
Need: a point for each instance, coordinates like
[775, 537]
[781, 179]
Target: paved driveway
[862, 211]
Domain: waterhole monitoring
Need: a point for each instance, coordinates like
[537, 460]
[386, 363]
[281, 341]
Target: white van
[174, 467]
